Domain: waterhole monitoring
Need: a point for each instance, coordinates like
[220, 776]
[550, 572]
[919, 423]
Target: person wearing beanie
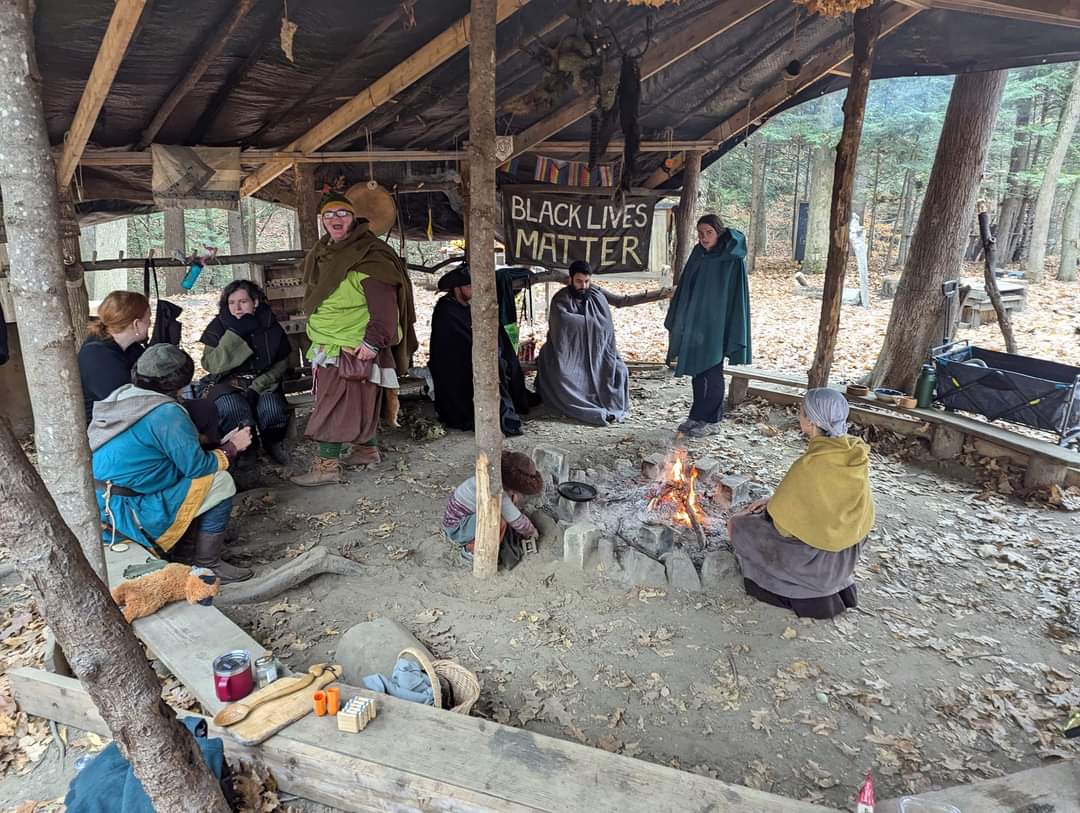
[359, 302]
[520, 478]
[155, 484]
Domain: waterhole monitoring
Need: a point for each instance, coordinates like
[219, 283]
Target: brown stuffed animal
[148, 594]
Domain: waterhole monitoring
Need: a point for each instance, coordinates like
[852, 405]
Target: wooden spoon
[235, 712]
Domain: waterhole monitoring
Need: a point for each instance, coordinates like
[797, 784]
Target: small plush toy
[148, 594]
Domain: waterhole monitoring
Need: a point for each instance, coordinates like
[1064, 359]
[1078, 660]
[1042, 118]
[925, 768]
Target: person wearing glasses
[359, 303]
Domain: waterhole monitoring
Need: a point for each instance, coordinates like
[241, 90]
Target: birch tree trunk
[1070, 236]
[758, 226]
[1040, 224]
[485, 309]
[38, 285]
[100, 646]
[941, 234]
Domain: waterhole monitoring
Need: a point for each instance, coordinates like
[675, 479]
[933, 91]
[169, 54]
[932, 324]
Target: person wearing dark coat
[247, 355]
[450, 361]
[114, 342]
[709, 320]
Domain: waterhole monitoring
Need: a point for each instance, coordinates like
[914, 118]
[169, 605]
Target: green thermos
[924, 387]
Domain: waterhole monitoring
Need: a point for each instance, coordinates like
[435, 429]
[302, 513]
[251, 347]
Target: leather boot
[278, 452]
[323, 472]
[363, 456]
[208, 554]
[184, 549]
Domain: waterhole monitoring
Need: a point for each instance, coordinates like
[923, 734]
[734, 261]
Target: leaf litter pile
[960, 663]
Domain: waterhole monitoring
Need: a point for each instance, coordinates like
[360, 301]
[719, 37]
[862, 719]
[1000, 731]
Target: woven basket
[463, 683]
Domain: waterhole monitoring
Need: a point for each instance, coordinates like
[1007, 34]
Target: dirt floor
[960, 662]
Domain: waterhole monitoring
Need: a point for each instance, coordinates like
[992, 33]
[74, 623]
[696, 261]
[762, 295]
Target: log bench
[1046, 463]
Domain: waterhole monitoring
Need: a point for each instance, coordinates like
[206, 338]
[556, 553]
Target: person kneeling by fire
[798, 548]
[155, 484]
[519, 479]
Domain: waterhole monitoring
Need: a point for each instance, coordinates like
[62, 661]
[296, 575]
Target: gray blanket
[579, 372]
[786, 566]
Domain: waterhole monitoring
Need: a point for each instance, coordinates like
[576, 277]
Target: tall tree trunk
[873, 208]
[686, 214]
[898, 221]
[175, 238]
[867, 29]
[238, 243]
[1070, 236]
[817, 227]
[1009, 214]
[940, 236]
[38, 285]
[306, 204]
[1040, 224]
[99, 644]
[485, 309]
[906, 232]
[758, 224]
[78, 296]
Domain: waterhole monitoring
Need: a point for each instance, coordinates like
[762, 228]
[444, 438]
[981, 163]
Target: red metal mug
[233, 678]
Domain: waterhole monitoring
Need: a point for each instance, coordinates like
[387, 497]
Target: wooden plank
[767, 101]
[215, 43]
[1053, 12]
[185, 637]
[122, 25]
[859, 414]
[701, 30]
[420, 62]
[1049, 789]
[402, 762]
[256, 158]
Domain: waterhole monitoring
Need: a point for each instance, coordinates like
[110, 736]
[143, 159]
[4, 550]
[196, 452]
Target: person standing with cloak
[709, 320]
[450, 361]
[579, 371]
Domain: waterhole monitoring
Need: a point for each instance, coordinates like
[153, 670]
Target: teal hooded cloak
[709, 316]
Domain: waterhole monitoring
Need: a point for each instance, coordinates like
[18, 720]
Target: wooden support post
[737, 391]
[39, 287]
[947, 442]
[867, 29]
[485, 309]
[685, 222]
[74, 276]
[1043, 472]
[175, 238]
[307, 204]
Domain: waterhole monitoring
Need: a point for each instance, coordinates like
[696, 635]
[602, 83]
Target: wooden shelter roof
[714, 71]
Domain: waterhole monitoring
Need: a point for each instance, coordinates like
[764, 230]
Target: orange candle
[333, 700]
[319, 703]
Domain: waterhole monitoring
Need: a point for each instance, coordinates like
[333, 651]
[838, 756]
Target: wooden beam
[701, 30]
[397, 764]
[217, 40]
[1053, 12]
[684, 215]
[766, 102]
[122, 25]
[867, 29]
[416, 65]
[122, 158]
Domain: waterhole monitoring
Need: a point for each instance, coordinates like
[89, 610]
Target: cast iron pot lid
[577, 492]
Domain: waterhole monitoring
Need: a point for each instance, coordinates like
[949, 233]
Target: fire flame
[678, 491]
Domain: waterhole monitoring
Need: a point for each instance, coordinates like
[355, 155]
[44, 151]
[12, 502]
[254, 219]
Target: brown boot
[323, 472]
[363, 456]
[208, 554]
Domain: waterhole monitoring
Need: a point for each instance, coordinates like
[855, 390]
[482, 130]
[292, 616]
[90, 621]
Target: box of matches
[356, 714]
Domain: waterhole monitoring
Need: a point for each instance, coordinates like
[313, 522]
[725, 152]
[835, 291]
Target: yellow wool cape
[825, 500]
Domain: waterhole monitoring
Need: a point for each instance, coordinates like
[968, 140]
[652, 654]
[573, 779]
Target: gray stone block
[708, 469]
[552, 463]
[655, 539]
[580, 543]
[605, 554]
[681, 573]
[570, 511]
[643, 570]
[719, 572]
[373, 647]
[733, 490]
[653, 465]
[624, 467]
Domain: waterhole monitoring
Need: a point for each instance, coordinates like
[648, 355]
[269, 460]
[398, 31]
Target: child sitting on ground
[519, 479]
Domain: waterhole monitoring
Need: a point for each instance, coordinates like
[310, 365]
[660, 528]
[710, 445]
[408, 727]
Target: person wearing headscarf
[155, 484]
[709, 320]
[579, 371]
[359, 302]
[520, 478]
[798, 548]
[246, 352]
[450, 360]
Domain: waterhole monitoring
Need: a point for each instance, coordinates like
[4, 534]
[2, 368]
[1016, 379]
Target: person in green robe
[709, 320]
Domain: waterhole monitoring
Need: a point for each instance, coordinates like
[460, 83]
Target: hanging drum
[376, 204]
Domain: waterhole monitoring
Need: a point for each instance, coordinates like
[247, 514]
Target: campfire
[674, 496]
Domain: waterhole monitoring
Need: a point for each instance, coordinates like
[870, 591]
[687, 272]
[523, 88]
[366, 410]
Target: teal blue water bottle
[192, 276]
[924, 387]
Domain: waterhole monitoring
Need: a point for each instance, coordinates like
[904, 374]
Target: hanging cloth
[167, 326]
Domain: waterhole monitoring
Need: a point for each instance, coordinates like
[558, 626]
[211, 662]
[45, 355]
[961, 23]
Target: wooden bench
[412, 757]
[1046, 463]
